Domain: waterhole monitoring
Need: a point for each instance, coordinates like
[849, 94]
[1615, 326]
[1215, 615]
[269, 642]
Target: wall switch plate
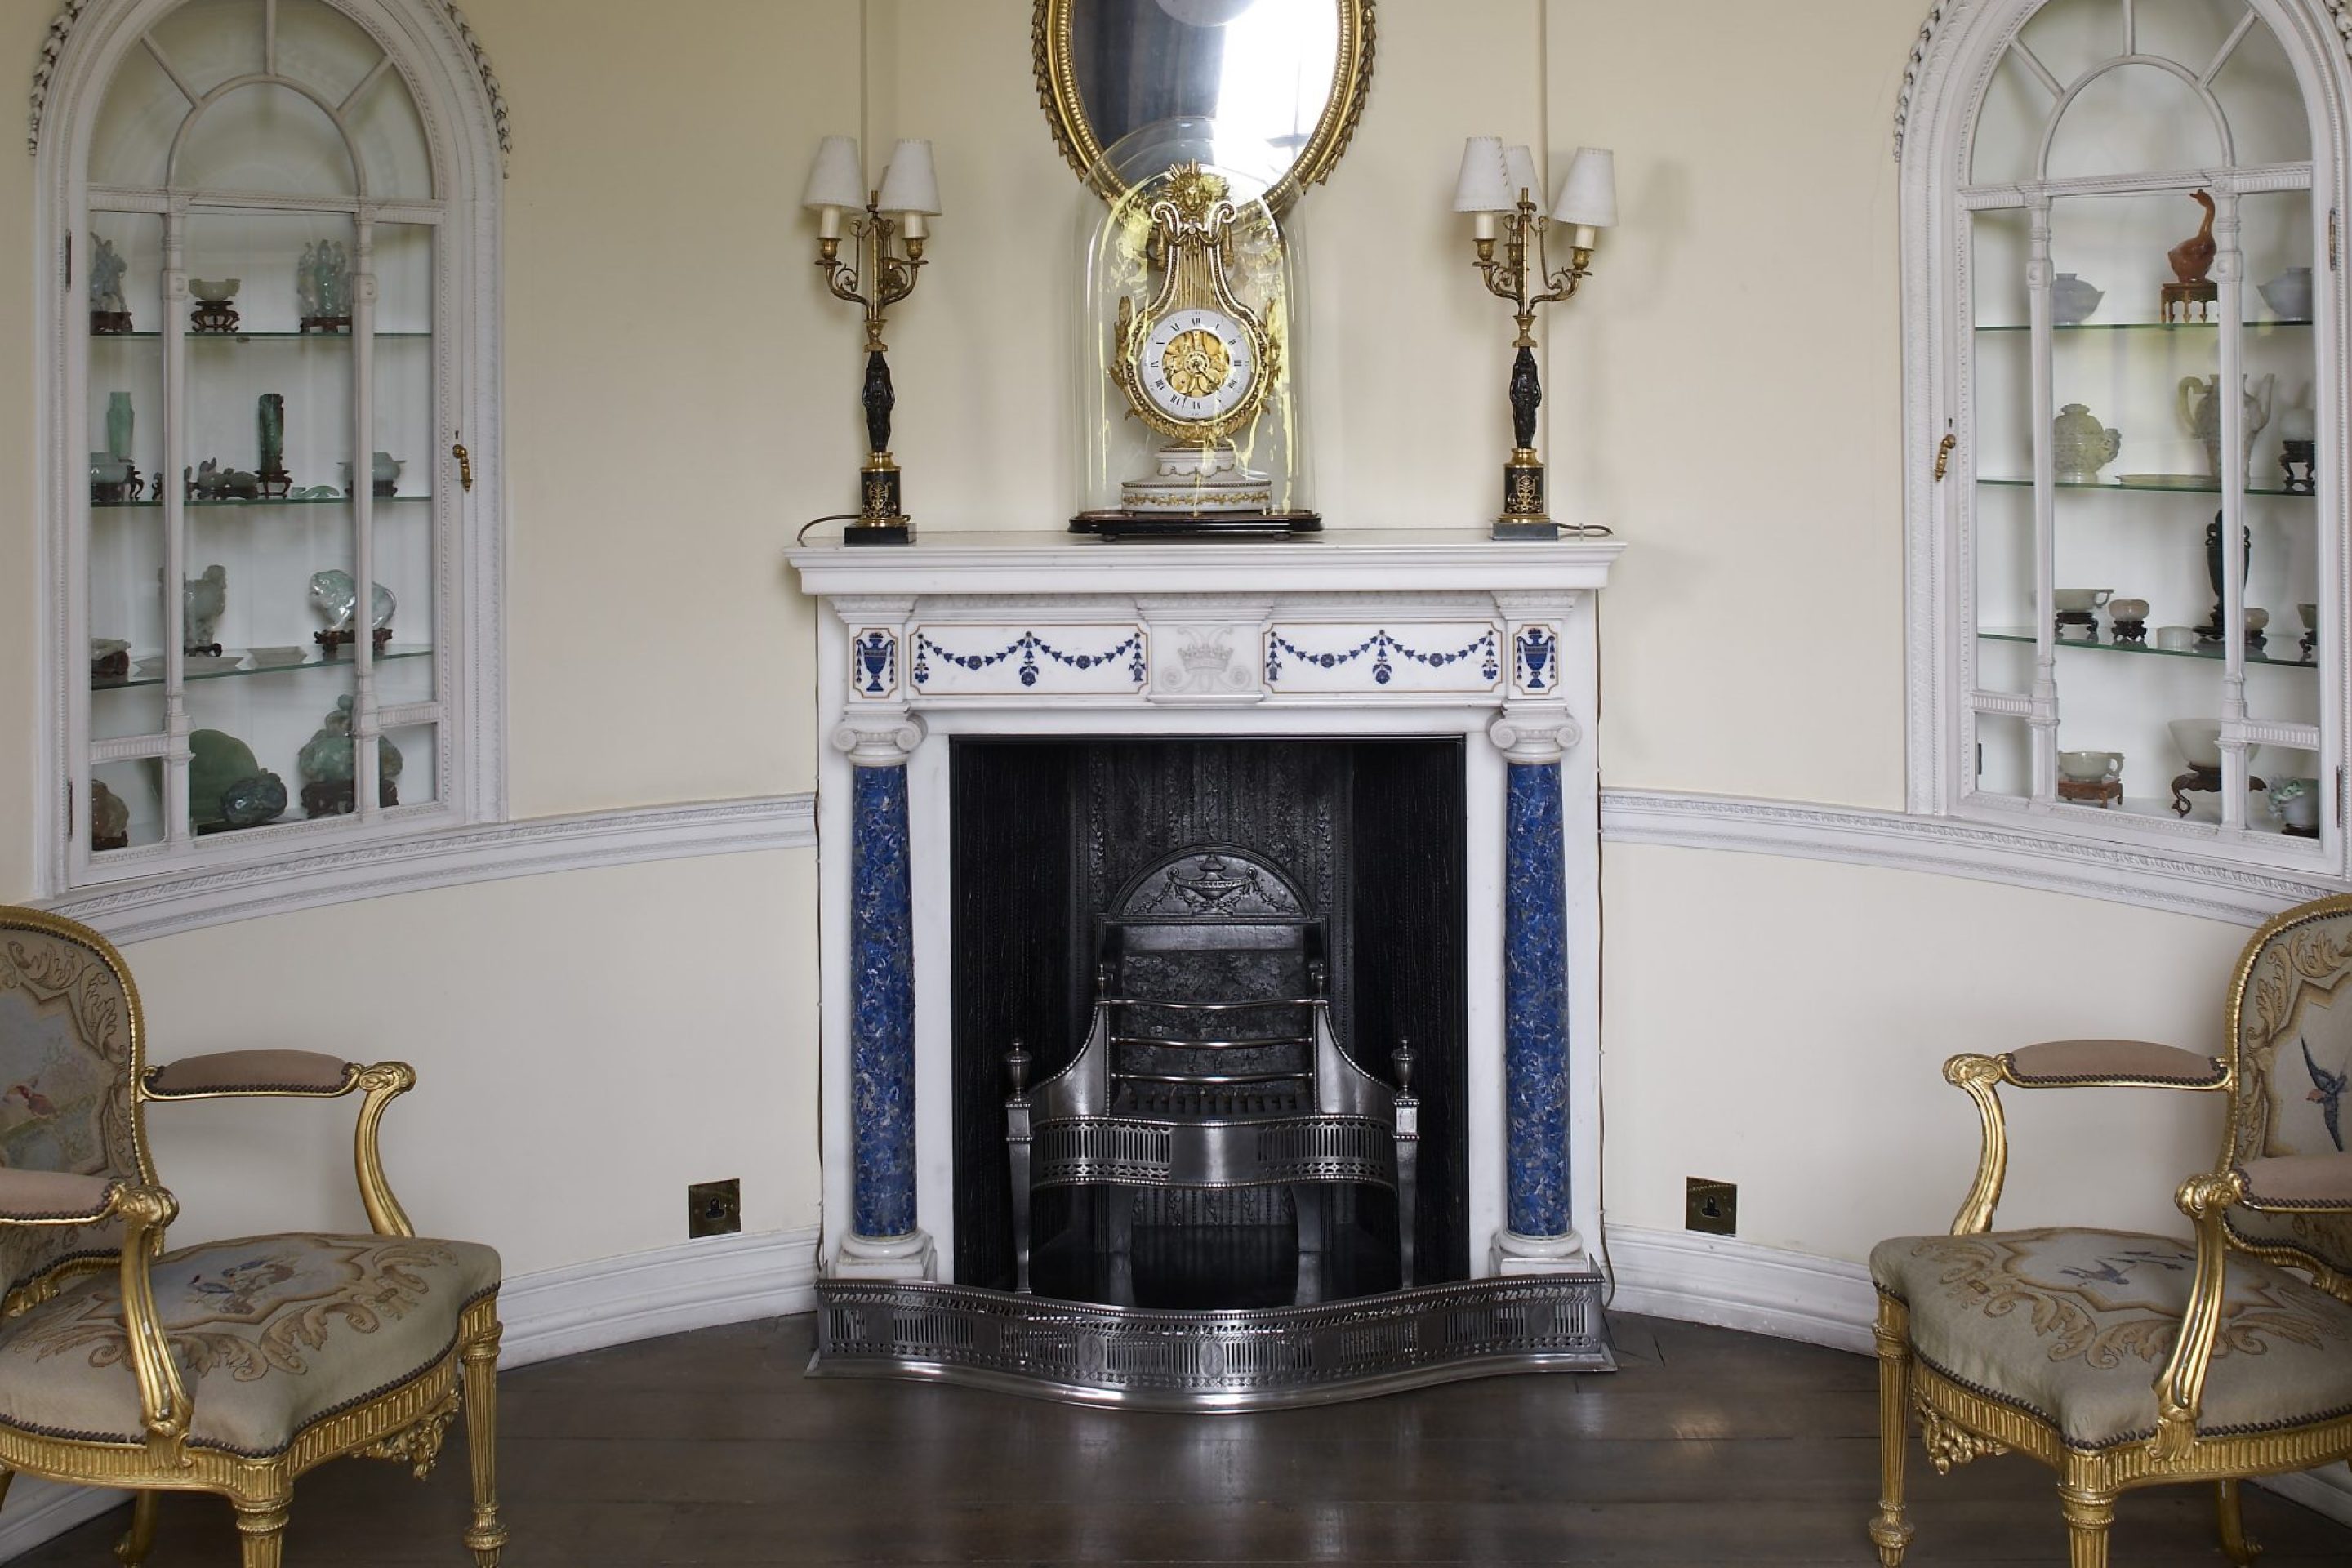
[714, 1208]
[1712, 1207]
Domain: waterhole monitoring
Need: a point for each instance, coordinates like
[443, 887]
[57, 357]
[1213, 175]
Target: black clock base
[900, 531]
[1117, 525]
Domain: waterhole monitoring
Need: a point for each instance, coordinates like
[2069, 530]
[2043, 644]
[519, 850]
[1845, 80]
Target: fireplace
[1044, 835]
[1396, 725]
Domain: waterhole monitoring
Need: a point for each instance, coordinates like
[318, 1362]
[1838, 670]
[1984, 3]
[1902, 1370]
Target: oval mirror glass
[1290, 75]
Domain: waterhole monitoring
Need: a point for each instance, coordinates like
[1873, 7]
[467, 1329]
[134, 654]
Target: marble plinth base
[1082, 1353]
[1513, 1255]
[884, 1258]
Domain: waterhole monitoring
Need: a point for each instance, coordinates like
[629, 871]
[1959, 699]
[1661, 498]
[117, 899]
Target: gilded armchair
[2125, 1361]
[229, 1367]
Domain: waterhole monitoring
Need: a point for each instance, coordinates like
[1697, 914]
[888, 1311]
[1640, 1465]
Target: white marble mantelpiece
[1368, 633]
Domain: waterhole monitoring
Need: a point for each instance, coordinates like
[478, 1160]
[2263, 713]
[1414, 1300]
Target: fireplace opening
[1050, 839]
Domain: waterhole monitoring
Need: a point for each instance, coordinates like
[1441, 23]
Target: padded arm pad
[2114, 1064]
[251, 1072]
[2299, 1181]
[54, 1195]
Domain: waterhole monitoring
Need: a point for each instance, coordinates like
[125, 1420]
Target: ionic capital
[1536, 737]
[879, 740]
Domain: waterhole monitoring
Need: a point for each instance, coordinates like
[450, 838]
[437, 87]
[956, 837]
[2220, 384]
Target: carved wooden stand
[2184, 295]
[2203, 780]
[325, 324]
[2107, 792]
[213, 319]
[110, 323]
[333, 643]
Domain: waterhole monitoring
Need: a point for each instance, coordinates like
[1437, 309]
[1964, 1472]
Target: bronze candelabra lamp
[878, 275]
[1500, 188]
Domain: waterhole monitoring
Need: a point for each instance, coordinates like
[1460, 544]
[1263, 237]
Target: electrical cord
[801, 537]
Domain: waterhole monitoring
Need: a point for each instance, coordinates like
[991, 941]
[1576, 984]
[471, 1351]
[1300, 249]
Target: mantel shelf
[226, 669]
[2113, 488]
[2024, 635]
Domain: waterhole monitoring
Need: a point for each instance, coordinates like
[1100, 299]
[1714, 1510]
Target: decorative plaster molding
[553, 1312]
[2179, 884]
[168, 905]
[1829, 1301]
[62, 27]
[1918, 63]
[489, 76]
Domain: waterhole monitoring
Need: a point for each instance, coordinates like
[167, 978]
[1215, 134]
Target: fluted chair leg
[480, 1356]
[2088, 1513]
[2236, 1544]
[1890, 1530]
[139, 1539]
[261, 1532]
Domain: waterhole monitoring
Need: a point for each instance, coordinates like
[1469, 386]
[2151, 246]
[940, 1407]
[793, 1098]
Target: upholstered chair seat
[272, 1334]
[231, 1367]
[2071, 1327]
[2125, 1361]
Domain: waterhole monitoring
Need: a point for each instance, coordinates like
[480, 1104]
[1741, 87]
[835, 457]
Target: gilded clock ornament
[1196, 362]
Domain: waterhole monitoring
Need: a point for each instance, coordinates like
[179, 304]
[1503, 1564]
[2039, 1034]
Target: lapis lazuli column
[1539, 1233]
[1535, 993]
[885, 1239]
[882, 1005]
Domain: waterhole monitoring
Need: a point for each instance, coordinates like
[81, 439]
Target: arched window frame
[1961, 46]
[463, 115]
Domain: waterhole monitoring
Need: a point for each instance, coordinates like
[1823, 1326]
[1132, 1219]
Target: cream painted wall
[586, 1045]
[1729, 395]
[1782, 1024]
[23, 24]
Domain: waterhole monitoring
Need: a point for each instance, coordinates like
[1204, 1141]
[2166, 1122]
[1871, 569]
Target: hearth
[1027, 731]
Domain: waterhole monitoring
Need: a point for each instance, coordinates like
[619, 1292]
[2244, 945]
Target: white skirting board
[556, 1312]
[1737, 1284]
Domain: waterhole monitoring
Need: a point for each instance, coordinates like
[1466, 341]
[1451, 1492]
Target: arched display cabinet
[2072, 316]
[225, 475]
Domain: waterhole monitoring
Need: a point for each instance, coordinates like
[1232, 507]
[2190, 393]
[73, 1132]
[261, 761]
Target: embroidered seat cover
[2072, 1326]
[271, 1333]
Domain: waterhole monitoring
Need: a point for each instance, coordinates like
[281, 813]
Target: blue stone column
[1540, 1234]
[884, 1241]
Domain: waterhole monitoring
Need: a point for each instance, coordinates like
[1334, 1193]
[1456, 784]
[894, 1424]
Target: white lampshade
[909, 184]
[835, 178]
[1588, 198]
[1485, 185]
[1520, 175]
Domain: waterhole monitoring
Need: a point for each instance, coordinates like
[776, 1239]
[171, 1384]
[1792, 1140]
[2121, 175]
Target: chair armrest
[304, 1075]
[226, 1073]
[2181, 1386]
[2060, 1064]
[2111, 1064]
[54, 1197]
[2298, 1184]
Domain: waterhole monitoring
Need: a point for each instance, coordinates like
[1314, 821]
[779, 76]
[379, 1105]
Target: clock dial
[1196, 364]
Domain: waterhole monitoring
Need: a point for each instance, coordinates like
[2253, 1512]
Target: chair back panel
[2292, 1039]
[69, 1053]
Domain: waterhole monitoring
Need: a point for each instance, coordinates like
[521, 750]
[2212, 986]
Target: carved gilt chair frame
[123, 1218]
[1958, 1424]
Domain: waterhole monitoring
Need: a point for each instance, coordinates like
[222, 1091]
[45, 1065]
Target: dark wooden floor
[1708, 1447]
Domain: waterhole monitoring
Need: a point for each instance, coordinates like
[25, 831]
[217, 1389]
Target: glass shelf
[2024, 635]
[252, 337]
[2113, 488]
[282, 501]
[227, 667]
[2139, 326]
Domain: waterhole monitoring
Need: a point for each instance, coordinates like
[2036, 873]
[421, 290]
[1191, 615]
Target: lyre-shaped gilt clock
[1195, 363]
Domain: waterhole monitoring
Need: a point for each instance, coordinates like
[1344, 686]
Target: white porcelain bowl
[2074, 601]
[2199, 740]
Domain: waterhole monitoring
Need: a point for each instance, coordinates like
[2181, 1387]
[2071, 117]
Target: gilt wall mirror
[1291, 74]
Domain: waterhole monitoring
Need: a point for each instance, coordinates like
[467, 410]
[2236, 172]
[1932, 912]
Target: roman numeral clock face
[1196, 364]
